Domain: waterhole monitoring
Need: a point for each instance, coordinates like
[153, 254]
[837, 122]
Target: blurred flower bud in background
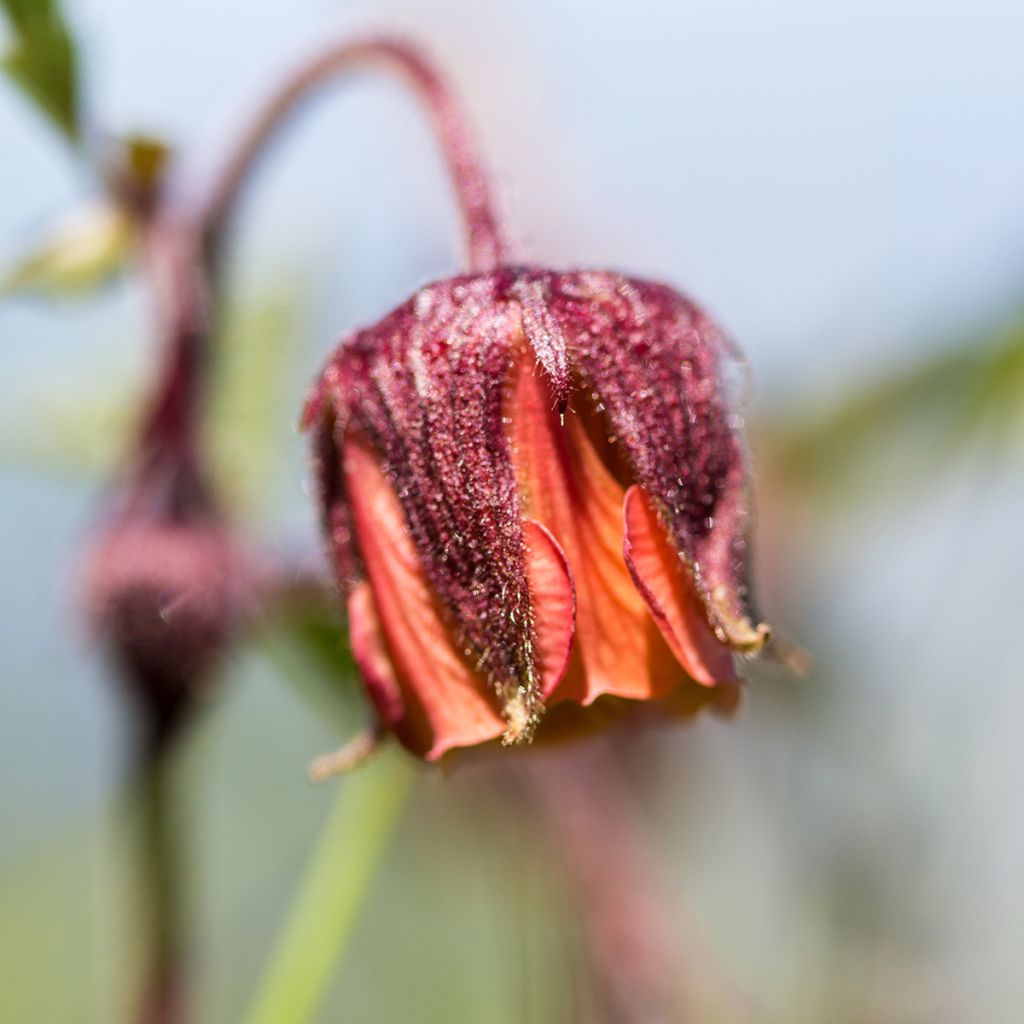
[165, 597]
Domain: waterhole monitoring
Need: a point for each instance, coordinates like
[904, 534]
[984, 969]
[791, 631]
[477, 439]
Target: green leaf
[42, 61]
[22, 13]
[83, 251]
[913, 422]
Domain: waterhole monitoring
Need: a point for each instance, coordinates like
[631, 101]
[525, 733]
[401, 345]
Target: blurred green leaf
[135, 168]
[71, 427]
[252, 408]
[968, 397]
[145, 159]
[78, 423]
[307, 644]
[22, 12]
[83, 251]
[42, 61]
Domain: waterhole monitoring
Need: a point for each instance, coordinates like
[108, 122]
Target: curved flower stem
[367, 810]
[484, 239]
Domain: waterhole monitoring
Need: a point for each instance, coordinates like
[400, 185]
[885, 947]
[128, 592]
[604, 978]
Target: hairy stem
[483, 236]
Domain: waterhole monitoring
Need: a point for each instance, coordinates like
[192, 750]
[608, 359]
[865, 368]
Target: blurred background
[842, 185]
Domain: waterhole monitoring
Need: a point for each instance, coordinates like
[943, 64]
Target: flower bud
[165, 596]
[535, 494]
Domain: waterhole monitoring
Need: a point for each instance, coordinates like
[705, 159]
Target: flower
[535, 495]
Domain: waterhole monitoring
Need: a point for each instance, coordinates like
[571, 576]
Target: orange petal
[371, 656]
[567, 487]
[553, 597]
[670, 593]
[446, 702]
[425, 687]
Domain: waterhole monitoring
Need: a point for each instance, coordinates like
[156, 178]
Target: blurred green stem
[366, 812]
[162, 998]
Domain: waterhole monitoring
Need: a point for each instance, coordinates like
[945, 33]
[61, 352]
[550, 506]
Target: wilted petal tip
[737, 631]
[522, 710]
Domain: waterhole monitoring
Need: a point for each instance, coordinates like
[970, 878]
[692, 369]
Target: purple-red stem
[629, 936]
[646, 967]
[485, 244]
[168, 442]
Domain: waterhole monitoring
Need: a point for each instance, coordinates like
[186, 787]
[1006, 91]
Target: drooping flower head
[535, 495]
[532, 483]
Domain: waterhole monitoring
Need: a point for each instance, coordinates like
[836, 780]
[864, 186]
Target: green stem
[365, 814]
[163, 997]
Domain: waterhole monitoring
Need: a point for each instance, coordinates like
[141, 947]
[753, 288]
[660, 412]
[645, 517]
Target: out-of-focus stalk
[162, 998]
[367, 810]
[630, 942]
[645, 968]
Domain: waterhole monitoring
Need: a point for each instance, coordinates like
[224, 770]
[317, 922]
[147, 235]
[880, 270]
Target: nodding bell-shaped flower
[535, 495]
